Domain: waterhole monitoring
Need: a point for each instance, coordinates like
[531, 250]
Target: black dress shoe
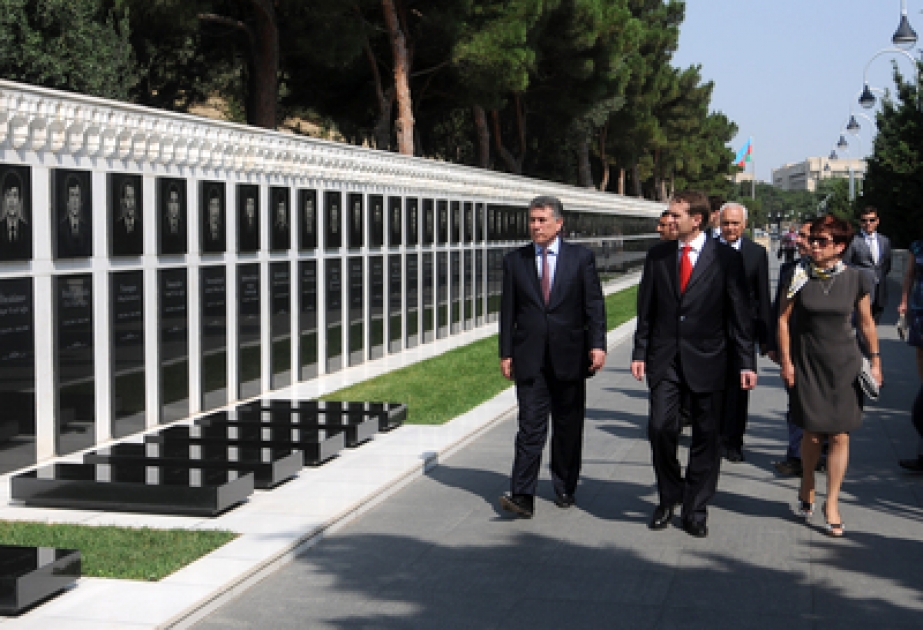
[788, 467]
[912, 465]
[733, 455]
[663, 514]
[521, 505]
[563, 500]
[695, 528]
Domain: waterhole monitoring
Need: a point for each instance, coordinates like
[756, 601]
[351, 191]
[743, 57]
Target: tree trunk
[405, 121]
[584, 172]
[636, 180]
[385, 98]
[483, 135]
[512, 164]
[604, 184]
[621, 188]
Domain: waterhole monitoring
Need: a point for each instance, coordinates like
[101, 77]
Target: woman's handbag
[867, 382]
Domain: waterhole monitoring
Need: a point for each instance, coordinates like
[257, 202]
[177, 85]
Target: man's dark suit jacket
[21, 247]
[859, 255]
[785, 278]
[573, 322]
[756, 270]
[701, 326]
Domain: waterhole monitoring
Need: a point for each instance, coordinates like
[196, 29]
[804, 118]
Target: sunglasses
[821, 241]
[868, 220]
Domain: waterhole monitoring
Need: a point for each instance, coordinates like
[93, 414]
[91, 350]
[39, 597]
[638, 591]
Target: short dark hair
[715, 202]
[698, 204]
[838, 229]
[547, 201]
[868, 210]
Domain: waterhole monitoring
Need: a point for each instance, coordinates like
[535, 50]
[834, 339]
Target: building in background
[805, 175]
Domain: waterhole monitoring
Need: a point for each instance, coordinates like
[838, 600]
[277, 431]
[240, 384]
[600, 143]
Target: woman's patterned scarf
[806, 269]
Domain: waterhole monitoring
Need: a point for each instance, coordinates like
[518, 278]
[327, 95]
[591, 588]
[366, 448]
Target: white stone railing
[50, 121]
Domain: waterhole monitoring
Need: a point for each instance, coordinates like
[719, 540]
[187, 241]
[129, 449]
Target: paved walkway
[440, 554]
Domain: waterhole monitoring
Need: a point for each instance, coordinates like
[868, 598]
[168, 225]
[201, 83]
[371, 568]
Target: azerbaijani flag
[743, 156]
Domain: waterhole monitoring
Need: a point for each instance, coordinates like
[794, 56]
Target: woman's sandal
[834, 530]
[805, 509]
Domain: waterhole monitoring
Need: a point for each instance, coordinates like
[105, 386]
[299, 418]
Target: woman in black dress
[820, 358]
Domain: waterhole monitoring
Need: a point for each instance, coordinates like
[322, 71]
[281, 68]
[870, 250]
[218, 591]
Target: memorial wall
[156, 265]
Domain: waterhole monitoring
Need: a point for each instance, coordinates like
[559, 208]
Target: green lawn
[119, 552]
[439, 389]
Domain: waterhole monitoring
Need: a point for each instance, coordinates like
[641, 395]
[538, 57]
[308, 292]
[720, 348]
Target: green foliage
[126, 553]
[76, 45]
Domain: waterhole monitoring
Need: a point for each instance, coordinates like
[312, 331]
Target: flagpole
[753, 165]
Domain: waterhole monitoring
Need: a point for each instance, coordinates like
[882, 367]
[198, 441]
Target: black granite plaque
[30, 575]
[413, 221]
[307, 318]
[76, 372]
[376, 307]
[494, 283]
[443, 221]
[213, 217]
[307, 210]
[512, 224]
[173, 298]
[126, 215]
[429, 221]
[280, 210]
[214, 307]
[395, 302]
[469, 217]
[455, 303]
[248, 217]
[480, 284]
[468, 266]
[16, 216]
[456, 223]
[73, 202]
[480, 221]
[280, 277]
[333, 219]
[412, 293]
[442, 295]
[249, 353]
[356, 220]
[126, 291]
[356, 311]
[334, 298]
[395, 221]
[172, 213]
[17, 374]
[428, 309]
[377, 220]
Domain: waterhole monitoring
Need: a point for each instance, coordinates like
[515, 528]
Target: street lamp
[904, 36]
[867, 99]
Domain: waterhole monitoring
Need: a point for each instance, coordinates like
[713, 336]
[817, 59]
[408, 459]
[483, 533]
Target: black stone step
[133, 487]
[389, 415]
[30, 575]
[269, 466]
[356, 429]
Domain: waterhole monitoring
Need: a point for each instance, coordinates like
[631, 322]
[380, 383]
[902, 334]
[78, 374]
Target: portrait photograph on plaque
[395, 222]
[377, 216]
[413, 221]
[213, 217]
[72, 197]
[248, 217]
[307, 210]
[480, 218]
[126, 215]
[429, 221]
[443, 212]
[126, 291]
[172, 213]
[74, 360]
[356, 220]
[16, 219]
[333, 219]
[280, 210]
[17, 374]
[455, 222]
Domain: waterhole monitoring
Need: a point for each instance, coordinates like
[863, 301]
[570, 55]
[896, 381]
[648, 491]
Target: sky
[788, 73]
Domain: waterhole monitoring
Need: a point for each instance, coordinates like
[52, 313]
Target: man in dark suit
[74, 238]
[15, 231]
[127, 239]
[871, 251]
[756, 271]
[693, 319]
[552, 337]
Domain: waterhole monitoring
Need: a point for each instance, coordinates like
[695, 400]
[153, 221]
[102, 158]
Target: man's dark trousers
[564, 401]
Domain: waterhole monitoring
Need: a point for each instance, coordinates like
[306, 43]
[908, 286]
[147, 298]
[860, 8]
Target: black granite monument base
[355, 429]
[29, 575]
[131, 487]
[270, 466]
[389, 415]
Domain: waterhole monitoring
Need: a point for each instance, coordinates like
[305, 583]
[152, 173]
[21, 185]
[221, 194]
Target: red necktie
[546, 276]
[685, 268]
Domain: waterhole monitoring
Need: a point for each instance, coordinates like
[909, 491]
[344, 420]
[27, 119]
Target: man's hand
[506, 368]
[747, 379]
[637, 370]
[597, 359]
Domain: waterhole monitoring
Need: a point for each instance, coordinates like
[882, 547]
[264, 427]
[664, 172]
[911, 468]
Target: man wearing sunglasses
[871, 251]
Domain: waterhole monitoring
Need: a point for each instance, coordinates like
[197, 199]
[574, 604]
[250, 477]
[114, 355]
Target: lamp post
[904, 37]
[866, 98]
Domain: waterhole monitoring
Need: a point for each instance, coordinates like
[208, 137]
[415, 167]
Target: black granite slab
[389, 415]
[133, 488]
[356, 429]
[270, 466]
[316, 445]
[29, 575]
